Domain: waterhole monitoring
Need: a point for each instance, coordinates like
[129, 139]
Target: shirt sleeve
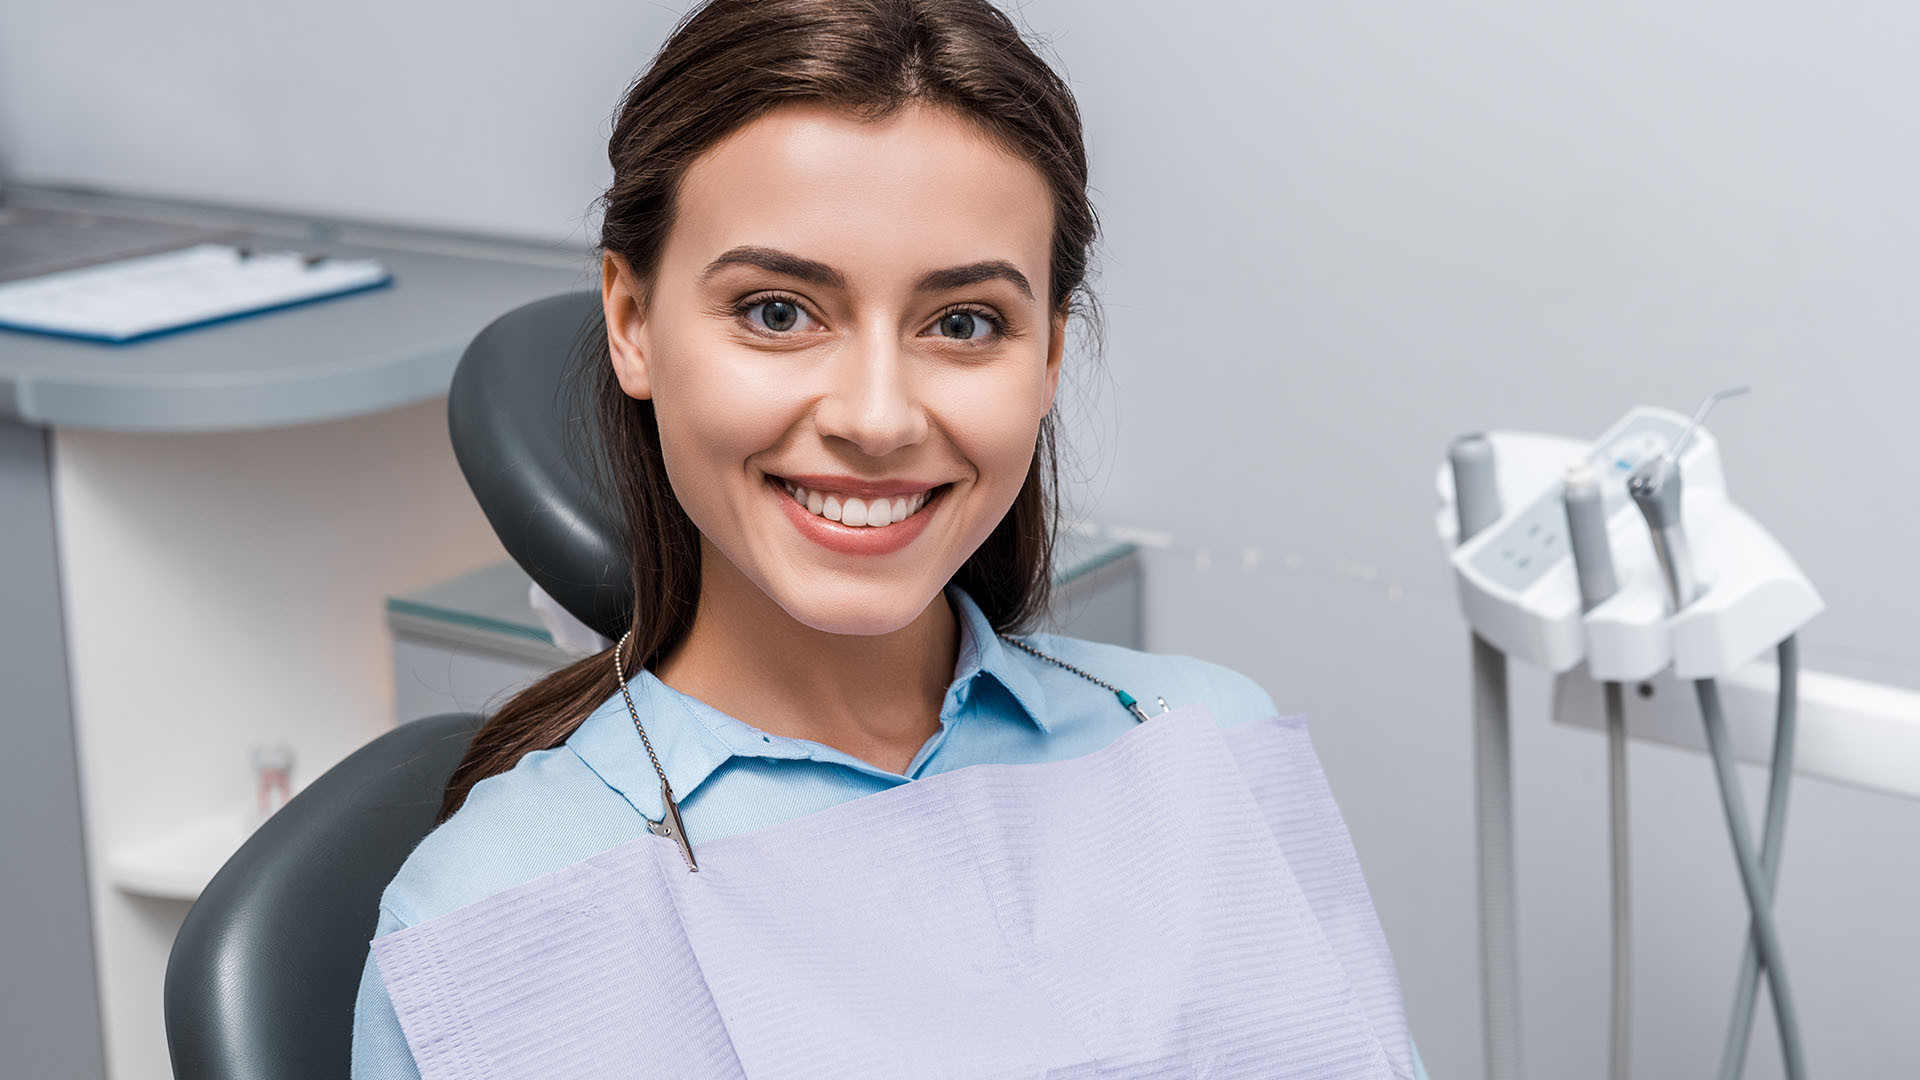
[1419, 1067]
[380, 1049]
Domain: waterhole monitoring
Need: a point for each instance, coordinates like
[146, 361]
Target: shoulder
[546, 813]
[1182, 680]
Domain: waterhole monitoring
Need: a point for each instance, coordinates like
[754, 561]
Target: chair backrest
[262, 977]
[515, 432]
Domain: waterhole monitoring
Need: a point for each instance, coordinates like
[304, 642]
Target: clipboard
[130, 300]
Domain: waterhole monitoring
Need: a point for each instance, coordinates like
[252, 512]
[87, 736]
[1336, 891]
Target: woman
[841, 250]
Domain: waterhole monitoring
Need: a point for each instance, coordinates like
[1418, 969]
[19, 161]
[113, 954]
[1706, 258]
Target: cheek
[710, 422]
[995, 426]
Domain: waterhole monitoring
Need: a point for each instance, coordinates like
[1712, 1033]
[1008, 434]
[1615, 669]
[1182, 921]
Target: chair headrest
[510, 423]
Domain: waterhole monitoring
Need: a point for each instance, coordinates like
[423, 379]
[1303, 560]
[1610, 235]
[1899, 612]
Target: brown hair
[727, 63]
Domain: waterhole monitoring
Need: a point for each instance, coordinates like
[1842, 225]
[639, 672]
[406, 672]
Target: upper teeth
[854, 510]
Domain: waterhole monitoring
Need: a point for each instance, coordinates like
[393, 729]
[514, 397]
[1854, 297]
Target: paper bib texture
[1184, 902]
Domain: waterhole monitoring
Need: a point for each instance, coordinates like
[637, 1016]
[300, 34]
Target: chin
[865, 608]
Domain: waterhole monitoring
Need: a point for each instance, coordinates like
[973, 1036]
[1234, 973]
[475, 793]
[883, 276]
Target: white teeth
[854, 510]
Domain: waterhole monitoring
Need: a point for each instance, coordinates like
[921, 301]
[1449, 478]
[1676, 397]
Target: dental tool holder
[1520, 593]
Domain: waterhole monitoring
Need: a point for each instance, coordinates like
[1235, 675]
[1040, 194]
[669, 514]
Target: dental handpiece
[1476, 498]
[1586, 508]
[1476, 487]
[1655, 487]
[1587, 536]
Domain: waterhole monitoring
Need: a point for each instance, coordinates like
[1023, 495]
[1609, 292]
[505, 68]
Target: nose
[870, 400]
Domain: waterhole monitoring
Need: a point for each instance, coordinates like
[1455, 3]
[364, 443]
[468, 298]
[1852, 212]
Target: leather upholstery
[516, 434]
[262, 978]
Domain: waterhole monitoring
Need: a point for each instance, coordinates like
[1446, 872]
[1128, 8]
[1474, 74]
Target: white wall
[1337, 235]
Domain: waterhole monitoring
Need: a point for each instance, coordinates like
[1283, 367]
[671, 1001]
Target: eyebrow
[819, 273]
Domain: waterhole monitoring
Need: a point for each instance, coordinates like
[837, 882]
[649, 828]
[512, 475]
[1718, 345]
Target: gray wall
[1336, 235]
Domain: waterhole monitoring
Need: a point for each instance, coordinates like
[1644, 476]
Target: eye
[779, 315]
[969, 324]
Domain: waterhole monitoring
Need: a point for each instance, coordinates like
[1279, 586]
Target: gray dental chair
[261, 981]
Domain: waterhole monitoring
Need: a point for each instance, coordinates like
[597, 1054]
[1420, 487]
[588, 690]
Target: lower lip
[854, 539]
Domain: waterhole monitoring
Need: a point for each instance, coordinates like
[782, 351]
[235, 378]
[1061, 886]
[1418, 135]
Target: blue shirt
[558, 806]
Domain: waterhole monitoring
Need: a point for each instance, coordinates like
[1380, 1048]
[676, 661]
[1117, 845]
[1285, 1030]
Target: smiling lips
[850, 516]
[872, 511]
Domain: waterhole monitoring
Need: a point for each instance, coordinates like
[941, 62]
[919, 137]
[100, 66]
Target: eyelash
[740, 311]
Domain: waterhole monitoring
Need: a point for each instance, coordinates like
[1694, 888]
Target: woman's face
[849, 351]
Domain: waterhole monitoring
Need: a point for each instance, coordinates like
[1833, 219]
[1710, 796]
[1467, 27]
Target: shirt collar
[983, 653]
[693, 739]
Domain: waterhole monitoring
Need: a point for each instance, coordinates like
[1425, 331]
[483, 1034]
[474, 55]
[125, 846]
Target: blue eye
[969, 324]
[778, 314]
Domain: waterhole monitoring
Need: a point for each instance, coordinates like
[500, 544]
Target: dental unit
[1584, 559]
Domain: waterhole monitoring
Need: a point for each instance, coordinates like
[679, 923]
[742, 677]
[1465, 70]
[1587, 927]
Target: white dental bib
[1184, 902]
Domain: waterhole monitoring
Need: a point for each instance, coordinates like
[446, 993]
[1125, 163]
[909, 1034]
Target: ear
[621, 298]
[1056, 348]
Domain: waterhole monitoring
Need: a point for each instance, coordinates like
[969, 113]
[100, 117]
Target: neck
[876, 697]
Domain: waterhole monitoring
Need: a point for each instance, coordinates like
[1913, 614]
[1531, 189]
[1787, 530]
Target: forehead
[880, 201]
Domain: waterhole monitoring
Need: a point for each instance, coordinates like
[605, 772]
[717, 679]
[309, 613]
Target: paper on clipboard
[136, 298]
